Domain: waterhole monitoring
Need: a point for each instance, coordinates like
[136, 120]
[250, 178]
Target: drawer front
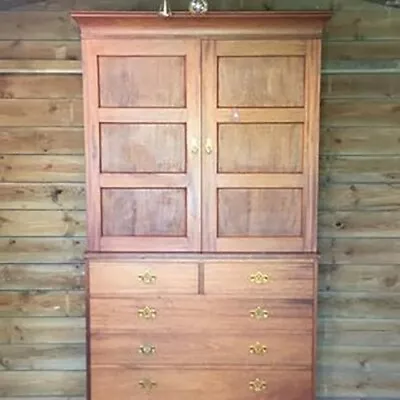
[260, 279]
[120, 383]
[127, 278]
[152, 348]
[199, 314]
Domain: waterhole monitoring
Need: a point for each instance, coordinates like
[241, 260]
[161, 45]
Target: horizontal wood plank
[42, 330]
[360, 113]
[37, 26]
[358, 86]
[358, 196]
[41, 277]
[38, 112]
[23, 66]
[341, 383]
[361, 49]
[42, 196]
[41, 250]
[68, 140]
[359, 305]
[359, 278]
[360, 140]
[359, 251]
[369, 24]
[41, 303]
[32, 86]
[42, 223]
[352, 332]
[41, 168]
[40, 50]
[42, 383]
[357, 224]
[355, 169]
[36, 357]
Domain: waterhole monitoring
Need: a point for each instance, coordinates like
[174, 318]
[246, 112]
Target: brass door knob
[208, 147]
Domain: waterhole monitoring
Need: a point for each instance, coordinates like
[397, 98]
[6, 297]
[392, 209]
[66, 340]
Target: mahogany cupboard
[202, 163]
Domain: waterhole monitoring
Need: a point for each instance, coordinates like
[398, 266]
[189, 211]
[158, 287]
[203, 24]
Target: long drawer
[110, 278]
[272, 279]
[120, 383]
[279, 349]
[199, 313]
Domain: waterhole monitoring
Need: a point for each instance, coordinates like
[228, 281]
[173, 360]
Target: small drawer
[129, 278]
[283, 349]
[199, 314]
[260, 279]
[199, 384]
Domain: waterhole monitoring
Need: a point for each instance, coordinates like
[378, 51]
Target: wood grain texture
[260, 148]
[130, 278]
[41, 304]
[278, 280]
[62, 357]
[41, 250]
[39, 223]
[41, 168]
[42, 196]
[359, 278]
[31, 86]
[40, 50]
[360, 224]
[359, 251]
[41, 277]
[42, 330]
[38, 112]
[360, 141]
[359, 196]
[284, 78]
[39, 383]
[206, 349]
[28, 140]
[156, 81]
[219, 314]
[143, 148]
[259, 213]
[144, 212]
[233, 385]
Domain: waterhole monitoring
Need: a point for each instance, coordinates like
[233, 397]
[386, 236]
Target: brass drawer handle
[147, 278]
[147, 384]
[147, 313]
[259, 278]
[259, 313]
[257, 385]
[258, 349]
[147, 349]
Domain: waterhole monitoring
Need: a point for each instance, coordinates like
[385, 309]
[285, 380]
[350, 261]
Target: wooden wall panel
[42, 174]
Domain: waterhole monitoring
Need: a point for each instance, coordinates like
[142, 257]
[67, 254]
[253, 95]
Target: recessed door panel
[259, 212]
[142, 81]
[144, 212]
[143, 148]
[260, 148]
[262, 81]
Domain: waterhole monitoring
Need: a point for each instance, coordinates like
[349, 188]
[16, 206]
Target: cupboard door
[144, 113]
[260, 145]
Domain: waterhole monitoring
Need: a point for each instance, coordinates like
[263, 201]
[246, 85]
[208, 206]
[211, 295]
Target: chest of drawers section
[214, 328]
